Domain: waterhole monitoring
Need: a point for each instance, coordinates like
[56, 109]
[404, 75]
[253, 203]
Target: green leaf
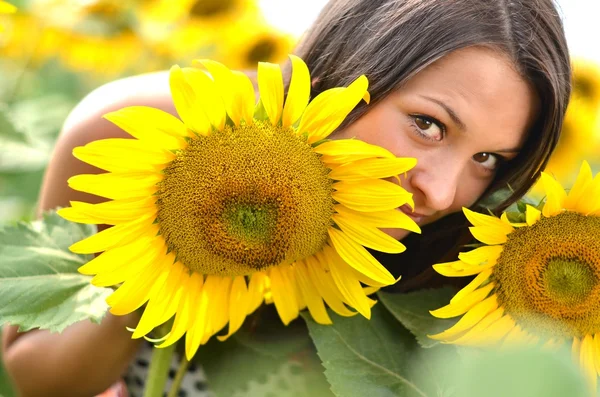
[39, 283]
[376, 357]
[412, 311]
[264, 358]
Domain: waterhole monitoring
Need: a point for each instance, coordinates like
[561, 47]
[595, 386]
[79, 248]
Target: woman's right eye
[428, 127]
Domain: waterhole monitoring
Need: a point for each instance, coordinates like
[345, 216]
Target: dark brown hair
[391, 40]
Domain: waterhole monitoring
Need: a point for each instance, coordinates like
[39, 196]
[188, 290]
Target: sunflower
[6, 8]
[536, 282]
[236, 202]
[580, 135]
[253, 40]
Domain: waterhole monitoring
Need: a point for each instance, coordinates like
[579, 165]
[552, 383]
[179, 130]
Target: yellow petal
[481, 256]
[489, 235]
[311, 295]
[117, 211]
[463, 305]
[496, 331]
[163, 304]
[110, 260]
[368, 236]
[381, 219]
[597, 351]
[590, 202]
[185, 311]
[478, 219]
[238, 306]
[256, 291]
[270, 85]
[473, 335]
[6, 8]
[555, 196]
[532, 215]
[285, 302]
[151, 126]
[298, 92]
[372, 168]
[347, 284]
[472, 317]
[201, 294]
[321, 279]
[371, 195]
[359, 258]
[577, 192]
[123, 155]
[472, 286]
[225, 87]
[112, 237]
[132, 268]
[348, 150]
[133, 293]
[322, 117]
[244, 106]
[587, 361]
[460, 268]
[186, 101]
[117, 185]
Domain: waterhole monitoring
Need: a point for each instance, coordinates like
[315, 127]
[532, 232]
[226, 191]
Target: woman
[476, 90]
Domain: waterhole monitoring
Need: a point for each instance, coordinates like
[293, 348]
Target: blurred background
[54, 52]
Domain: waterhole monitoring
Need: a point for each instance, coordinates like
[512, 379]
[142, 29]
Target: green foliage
[39, 283]
[412, 311]
[519, 373]
[264, 358]
[376, 357]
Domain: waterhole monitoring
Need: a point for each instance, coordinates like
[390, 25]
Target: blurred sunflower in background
[580, 136]
[536, 282]
[236, 202]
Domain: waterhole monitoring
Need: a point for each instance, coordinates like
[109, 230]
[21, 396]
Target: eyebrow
[448, 110]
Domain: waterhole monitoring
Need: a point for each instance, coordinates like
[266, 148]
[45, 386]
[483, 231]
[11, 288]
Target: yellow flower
[6, 8]
[235, 204]
[252, 40]
[537, 282]
[580, 135]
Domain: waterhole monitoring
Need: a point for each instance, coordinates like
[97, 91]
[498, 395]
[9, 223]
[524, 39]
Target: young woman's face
[461, 117]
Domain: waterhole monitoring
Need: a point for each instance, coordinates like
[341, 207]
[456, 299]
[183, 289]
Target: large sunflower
[537, 282]
[212, 212]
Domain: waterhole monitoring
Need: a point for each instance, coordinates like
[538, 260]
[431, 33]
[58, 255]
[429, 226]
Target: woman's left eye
[489, 161]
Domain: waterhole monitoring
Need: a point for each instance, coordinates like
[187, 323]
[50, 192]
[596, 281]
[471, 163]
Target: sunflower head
[237, 203]
[537, 281]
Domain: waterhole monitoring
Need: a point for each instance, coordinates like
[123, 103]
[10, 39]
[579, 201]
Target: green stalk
[181, 371]
[159, 371]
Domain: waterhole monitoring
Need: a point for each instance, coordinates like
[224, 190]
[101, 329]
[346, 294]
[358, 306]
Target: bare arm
[86, 358]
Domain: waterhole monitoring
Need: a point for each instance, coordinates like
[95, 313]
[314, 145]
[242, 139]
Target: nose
[435, 185]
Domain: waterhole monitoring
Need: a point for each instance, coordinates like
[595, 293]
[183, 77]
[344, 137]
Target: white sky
[581, 19]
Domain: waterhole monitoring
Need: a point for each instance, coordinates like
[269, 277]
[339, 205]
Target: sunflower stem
[181, 371]
[159, 371]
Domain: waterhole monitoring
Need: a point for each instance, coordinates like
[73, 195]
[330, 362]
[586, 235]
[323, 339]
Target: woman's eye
[489, 161]
[428, 127]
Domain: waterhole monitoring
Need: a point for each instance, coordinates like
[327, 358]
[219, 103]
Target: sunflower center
[209, 8]
[548, 276]
[244, 199]
[262, 50]
[568, 281]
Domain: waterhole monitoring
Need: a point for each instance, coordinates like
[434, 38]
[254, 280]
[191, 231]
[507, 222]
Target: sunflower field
[211, 253]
